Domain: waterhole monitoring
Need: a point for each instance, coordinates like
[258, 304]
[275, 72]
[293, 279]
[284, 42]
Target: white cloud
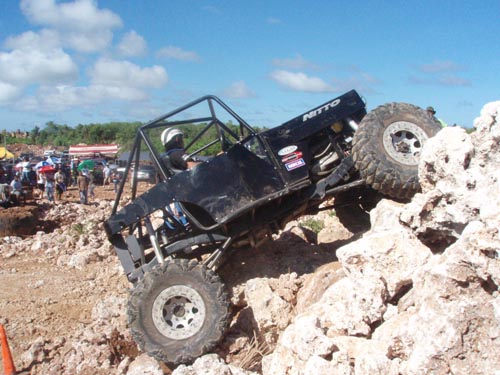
[363, 82]
[439, 66]
[453, 80]
[50, 99]
[273, 21]
[88, 42]
[80, 24]
[75, 15]
[176, 53]
[110, 80]
[132, 44]
[8, 92]
[63, 97]
[44, 40]
[239, 90]
[28, 66]
[300, 82]
[298, 63]
[115, 73]
[439, 73]
[212, 9]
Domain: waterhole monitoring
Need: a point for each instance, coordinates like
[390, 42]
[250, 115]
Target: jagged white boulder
[436, 262]
[144, 365]
[210, 364]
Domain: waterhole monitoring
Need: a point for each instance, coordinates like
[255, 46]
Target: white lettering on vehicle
[320, 110]
[295, 164]
[287, 150]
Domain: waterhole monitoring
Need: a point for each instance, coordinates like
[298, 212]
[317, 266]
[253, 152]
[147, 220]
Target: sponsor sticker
[295, 164]
[287, 150]
[292, 156]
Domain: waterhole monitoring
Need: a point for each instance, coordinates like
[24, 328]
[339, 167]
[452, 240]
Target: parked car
[145, 172]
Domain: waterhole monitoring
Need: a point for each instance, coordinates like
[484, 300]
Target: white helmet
[168, 134]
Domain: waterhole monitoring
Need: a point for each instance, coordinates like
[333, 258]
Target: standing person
[50, 186]
[83, 186]
[40, 182]
[26, 170]
[107, 174]
[74, 171]
[60, 179]
[91, 176]
[431, 112]
[115, 177]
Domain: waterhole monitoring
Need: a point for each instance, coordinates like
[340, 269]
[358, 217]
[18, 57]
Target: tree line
[58, 135]
[122, 133]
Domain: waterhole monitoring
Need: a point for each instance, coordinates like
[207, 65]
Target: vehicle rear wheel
[387, 146]
[178, 311]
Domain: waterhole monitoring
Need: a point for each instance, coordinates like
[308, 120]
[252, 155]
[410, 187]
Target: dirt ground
[44, 301]
[40, 300]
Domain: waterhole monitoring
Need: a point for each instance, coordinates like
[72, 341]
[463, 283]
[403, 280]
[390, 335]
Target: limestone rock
[316, 284]
[210, 364]
[421, 292]
[271, 313]
[144, 365]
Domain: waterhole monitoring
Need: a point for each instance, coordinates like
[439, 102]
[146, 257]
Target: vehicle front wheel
[387, 147]
[178, 311]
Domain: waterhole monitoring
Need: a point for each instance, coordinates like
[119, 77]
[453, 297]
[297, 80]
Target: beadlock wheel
[403, 142]
[178, 312]
[387, 145]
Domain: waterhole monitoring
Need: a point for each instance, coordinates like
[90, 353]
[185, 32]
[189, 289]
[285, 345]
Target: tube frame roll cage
[163, 122]
[130, 249]
[248, 191]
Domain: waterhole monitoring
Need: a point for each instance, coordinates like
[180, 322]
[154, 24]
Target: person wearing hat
[174, 156]
[431, 112]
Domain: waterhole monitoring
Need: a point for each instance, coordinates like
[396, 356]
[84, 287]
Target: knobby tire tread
[376, 167]
[193, 347]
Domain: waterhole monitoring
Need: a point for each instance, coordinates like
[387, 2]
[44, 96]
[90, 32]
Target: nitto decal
[295, 164]
[292, 156]
[287, 150]
[320, 110]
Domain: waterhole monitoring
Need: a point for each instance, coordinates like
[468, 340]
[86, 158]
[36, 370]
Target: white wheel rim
[403, 141]
[178, 312]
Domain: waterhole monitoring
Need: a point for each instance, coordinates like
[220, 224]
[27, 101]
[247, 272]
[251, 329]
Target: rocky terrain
[416, 294]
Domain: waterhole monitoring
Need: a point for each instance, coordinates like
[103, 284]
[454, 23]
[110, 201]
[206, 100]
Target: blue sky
[96, 61]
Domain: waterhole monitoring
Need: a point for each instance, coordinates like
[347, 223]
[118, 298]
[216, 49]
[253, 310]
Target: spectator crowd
[49, 180]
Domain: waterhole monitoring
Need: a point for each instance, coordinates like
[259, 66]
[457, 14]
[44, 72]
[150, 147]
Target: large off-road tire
[387, 146]
[178, 311]
[353, 207]
[18, 221]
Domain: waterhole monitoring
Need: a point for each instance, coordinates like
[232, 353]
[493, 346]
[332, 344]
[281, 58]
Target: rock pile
[420, 294]
[417, 294]
[69, 321]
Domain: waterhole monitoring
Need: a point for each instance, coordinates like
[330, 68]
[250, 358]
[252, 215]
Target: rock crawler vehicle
[253, 185]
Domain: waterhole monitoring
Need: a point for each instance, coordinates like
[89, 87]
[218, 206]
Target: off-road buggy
[249, 189]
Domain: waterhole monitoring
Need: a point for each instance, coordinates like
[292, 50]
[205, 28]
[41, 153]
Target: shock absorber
[154, 240]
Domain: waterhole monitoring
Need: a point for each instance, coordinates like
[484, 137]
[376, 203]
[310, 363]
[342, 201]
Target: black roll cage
[163, 121]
